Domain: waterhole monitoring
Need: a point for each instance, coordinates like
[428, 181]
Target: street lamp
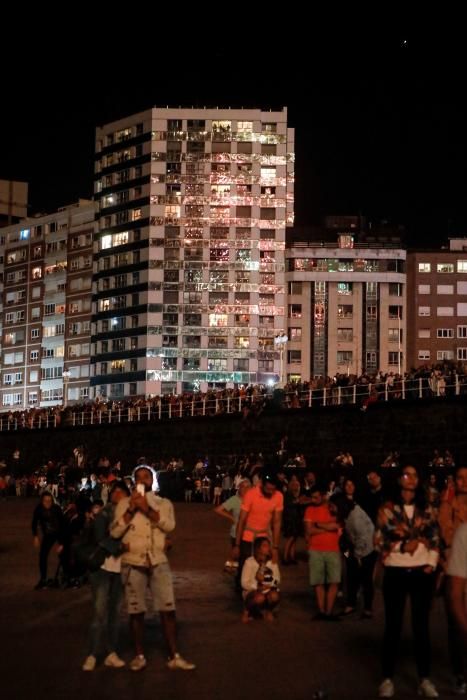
[280, 341]
[66, 378]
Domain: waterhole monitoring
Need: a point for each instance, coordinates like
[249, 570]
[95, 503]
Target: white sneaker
[386, 689]
[89, 663]
[138, 663]
[178, 661]
[114, 661]
[427, 690]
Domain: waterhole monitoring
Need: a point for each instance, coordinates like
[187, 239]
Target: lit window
[445, 267]
[424, 267]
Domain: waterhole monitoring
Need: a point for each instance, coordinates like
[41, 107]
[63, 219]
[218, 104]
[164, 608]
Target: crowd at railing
[249, 401]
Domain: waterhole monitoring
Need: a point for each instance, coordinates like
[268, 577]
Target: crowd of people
[249, 401]
[413, 528]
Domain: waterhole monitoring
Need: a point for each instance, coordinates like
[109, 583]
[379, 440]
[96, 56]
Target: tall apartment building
[46, 315]
[437, 282]
[189, 275]
[346, 307]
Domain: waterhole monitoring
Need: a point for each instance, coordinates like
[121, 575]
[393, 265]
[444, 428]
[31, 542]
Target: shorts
[324, 567]
[136, 580]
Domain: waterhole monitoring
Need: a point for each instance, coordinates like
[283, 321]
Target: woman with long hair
[408, 537]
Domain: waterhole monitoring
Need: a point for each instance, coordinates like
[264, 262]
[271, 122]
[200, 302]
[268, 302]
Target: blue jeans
[106, 595]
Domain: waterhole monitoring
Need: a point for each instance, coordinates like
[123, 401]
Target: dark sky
[381, 125]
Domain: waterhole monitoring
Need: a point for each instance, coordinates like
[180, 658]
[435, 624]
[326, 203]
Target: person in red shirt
[322, 534]
[260, 515]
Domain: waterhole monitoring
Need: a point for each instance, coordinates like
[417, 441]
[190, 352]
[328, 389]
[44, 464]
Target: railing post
[39, 423]
[100, 417]
[324, 396]
[228, 404]
[457, 385]
[386, 391]
[192, 406]
[217, 405]
[82, 417]
[170, 410]
[160, 410]
[239, 404]
[309, 398]
[420, 390]
[91, 420]
[110, 415]
[403, 389]
[47, 420]
[55, 420]
[204, 406]
[354, 394]
[339, 395]
[119, 415]
[181, 409]
[149, 413]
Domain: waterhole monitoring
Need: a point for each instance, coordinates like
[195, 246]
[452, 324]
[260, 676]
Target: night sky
[379, 112]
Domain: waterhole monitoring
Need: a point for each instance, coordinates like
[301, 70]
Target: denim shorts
[324, 567]
[136, 580]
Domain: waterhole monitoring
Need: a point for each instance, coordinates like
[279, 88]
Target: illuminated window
[445, 267]
[218, 320]
[462, 266]
[36, 273]
[295, 310]
[344, 311]
[424, 267]
[295, 333]
[120, 238]
[344, 287]
[106, 242]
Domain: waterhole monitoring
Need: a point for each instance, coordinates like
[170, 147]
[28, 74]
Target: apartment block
[38, 304]
[189, 275]
[346, 307]
[437, 281]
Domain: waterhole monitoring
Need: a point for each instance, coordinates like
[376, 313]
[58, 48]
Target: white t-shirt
[249, 571]
[112, 564]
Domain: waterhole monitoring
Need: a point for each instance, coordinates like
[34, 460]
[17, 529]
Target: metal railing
[170, 407]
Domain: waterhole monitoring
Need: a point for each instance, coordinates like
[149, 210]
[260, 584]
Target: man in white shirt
[143, 521]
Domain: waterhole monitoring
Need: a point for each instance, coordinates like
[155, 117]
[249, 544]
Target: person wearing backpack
[106, 585]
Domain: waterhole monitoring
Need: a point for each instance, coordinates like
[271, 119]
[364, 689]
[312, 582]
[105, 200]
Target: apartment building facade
[189, 274]
[38, 308]
[347, 306]
[437, 283]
